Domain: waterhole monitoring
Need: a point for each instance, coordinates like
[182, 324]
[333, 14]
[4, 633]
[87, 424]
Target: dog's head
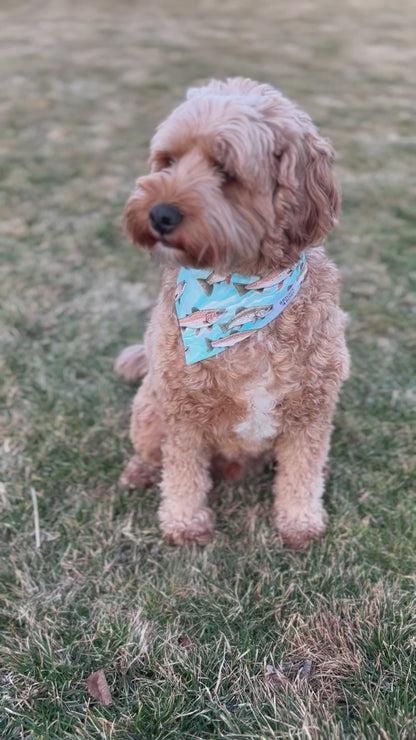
[240, 181]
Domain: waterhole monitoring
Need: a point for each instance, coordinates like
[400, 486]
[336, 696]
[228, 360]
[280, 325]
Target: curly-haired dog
[241, 194]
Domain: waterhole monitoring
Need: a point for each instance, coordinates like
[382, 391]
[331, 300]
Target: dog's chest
[261, 420]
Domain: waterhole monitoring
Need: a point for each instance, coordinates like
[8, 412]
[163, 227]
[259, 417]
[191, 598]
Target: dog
[241, 193]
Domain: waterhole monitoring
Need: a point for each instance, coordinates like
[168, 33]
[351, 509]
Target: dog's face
[240, 181]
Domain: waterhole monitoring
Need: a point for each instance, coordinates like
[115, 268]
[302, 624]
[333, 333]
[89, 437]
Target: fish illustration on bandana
[246, 316]
[228, 341]
[216, 311]
[197, 319]
[207, 284]
[269, 280]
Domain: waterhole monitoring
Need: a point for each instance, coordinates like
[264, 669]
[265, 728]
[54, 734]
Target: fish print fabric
[216, 311]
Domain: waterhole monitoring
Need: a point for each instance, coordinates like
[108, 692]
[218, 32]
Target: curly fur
[254, 183]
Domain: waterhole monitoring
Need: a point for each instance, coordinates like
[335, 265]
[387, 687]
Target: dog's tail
[132, 363]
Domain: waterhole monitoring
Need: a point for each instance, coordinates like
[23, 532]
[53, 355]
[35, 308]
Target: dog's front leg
[146, 433]
[301, 453]
[184, 515]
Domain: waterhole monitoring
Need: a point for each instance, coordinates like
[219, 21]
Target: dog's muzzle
[164, 218]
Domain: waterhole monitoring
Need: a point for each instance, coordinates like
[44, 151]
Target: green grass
[184, 635]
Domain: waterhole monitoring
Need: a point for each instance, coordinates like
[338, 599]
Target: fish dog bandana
[216, 311]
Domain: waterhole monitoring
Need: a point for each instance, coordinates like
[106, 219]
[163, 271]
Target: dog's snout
[164, 218]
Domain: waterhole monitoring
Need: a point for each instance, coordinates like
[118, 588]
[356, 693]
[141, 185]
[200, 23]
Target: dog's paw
[299, 527]
[139, 474]
[198, 529]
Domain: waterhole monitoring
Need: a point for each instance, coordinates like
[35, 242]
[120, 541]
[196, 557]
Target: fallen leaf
[184, 641]
[300, 670]
[305, 670]
[98, 688]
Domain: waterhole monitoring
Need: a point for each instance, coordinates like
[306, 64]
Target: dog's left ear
[307, 198]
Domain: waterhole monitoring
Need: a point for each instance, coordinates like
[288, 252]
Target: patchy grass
[185, 636]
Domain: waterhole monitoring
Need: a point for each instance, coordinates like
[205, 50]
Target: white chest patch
[260, 423]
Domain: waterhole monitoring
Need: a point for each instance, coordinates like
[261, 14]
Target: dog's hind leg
[301, 453]
[184, 515]
[139, 473]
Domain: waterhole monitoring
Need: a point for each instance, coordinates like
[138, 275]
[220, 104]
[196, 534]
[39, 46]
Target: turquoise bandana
[216, 311]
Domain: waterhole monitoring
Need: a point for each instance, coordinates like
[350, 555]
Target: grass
[185, 636]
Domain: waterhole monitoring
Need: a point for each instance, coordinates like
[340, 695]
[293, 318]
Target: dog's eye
[227, 177]
[167, 162]
[164, 161]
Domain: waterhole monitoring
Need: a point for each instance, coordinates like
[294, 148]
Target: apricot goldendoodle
[244, 354]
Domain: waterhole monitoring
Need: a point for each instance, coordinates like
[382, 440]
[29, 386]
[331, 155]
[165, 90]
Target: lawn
[242, 639]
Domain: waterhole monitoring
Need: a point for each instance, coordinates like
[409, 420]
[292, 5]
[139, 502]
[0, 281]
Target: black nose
[165, 218]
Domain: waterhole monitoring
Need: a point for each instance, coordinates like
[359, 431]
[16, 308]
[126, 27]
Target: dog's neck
[217, 310]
